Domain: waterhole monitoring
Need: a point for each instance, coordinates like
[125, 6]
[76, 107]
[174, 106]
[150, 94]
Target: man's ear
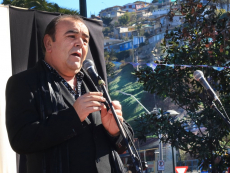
[48, 43]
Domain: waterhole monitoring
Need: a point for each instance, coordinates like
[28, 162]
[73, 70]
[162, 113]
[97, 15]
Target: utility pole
[83, 9]
[161, 150]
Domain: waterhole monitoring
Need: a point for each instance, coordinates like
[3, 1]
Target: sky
[93, 6]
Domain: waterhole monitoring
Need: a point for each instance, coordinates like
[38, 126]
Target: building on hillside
[156, 38]
[119, 45]
[166, 1]
[137, 40]
[177, 20]
[143, 13]
[111, 44]
[122, 32]
[114, 12]
[133, 7]
[125, 45]
[146, 11]
[148, 28]
[109, 41]
[160, 12]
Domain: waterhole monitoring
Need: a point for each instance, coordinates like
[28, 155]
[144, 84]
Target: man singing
[54, 114]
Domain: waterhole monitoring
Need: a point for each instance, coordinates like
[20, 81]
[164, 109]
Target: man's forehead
[71, 23]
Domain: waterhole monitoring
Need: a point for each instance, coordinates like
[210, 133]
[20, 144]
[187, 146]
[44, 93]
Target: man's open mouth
[76, 54]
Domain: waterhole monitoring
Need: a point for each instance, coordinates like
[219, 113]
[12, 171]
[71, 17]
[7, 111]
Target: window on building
[103, 14]
[130, 6]
[150, 155]
[126, 45]
[113, 13]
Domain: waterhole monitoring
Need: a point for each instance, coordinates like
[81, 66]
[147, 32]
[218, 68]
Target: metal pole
[160, 151]
[83, 9]
[173, 159]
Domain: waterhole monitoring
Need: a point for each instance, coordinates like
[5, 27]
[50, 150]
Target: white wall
[7, 155]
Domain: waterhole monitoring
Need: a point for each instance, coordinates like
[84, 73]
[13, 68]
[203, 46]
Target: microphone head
[198, 74]
[88, 66]
[88, 63]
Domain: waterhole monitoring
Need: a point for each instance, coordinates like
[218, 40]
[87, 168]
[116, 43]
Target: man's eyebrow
[72, 31]
[86, 35]
[75, 32]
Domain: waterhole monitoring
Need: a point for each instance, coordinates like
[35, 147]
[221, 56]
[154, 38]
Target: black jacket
[42, 124]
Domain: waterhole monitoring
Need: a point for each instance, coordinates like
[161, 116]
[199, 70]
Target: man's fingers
[94, 93]
[88, 97]
[121, 118]
[116, 104]
[92, 109]
[118, 111]
[88, 103]
[93, 103]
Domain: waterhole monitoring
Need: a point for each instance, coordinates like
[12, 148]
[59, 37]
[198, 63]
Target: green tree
[125, 19]
[106, 31]
[107, 20]
[116, 24]
[203, 39]
[110, 67]
[42, 5]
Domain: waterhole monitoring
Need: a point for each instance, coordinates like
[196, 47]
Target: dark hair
[51, 27]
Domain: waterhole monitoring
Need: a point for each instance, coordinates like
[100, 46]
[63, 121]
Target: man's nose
[79, 42]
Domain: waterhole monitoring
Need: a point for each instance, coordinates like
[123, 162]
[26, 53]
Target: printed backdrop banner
[21, 34]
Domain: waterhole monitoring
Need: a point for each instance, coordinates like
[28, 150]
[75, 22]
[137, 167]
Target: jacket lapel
[96, 116]
[66, 95]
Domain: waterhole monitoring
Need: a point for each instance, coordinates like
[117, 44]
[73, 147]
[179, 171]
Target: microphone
[199, 76]
[88, 65]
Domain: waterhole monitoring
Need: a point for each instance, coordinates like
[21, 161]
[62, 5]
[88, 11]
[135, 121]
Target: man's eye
[71, 36]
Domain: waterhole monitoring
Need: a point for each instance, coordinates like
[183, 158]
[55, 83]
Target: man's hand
[108, 120]
[88, 103]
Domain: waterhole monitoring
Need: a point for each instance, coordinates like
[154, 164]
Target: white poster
[7, 155]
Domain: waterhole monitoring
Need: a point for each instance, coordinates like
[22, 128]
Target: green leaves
[107, 20]
[40, 5]
[203, 39]
[124, 20]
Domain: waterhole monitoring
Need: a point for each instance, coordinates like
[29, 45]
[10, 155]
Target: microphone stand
[136, 161]
[213, 106]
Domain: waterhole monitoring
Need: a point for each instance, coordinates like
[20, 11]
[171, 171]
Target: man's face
[70, 47]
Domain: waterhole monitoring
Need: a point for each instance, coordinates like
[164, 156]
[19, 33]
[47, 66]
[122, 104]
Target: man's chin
[77, 68]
